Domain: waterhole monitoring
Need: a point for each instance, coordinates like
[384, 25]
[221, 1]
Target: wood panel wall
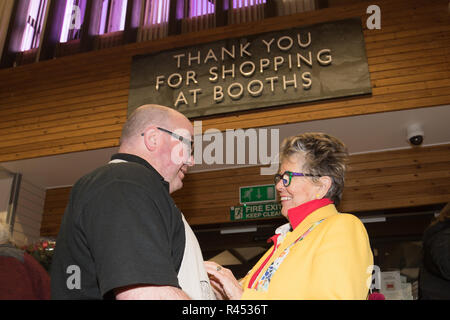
[28, 216]
[375, 181]
[79, 102]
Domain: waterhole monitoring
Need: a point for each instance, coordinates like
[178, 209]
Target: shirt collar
[136, 159]
[298, 214]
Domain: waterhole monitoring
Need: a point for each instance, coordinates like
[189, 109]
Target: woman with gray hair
[320, 253]
[4, 234]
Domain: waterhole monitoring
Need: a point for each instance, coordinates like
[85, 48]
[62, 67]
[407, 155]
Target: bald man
[121, 235]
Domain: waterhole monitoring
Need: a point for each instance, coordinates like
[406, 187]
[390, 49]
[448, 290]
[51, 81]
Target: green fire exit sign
[255, 211]
[257, 194]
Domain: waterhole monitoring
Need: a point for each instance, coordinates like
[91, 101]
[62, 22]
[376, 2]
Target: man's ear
[151, 138]
[325, 185]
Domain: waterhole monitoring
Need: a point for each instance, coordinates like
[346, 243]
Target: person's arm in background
[145, 292]
[439, 251]
[341, 262]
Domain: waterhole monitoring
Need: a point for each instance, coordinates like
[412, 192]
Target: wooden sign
[304, 64]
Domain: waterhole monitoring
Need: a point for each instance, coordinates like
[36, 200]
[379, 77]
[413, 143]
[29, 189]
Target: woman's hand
[223, 282]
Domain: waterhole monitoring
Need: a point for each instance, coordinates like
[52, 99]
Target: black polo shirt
[120, 228]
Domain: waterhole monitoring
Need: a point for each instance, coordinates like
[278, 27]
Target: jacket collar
[283, 232]
[319, 214]
[298, 214]
[136, 159]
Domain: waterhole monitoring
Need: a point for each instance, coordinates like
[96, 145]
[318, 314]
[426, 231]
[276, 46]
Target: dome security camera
[415, 134]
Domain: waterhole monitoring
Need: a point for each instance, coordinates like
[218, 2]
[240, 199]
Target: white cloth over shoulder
[192, 275]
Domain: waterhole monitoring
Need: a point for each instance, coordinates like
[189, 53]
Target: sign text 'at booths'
[322, 61]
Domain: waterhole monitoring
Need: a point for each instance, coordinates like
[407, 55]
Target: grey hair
[5, 235]
[144, 116]
[324, 155]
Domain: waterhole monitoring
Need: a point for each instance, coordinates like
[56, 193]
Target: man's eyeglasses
[186, 141]
[286, 177]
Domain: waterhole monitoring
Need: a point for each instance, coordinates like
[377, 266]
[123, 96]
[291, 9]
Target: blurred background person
[434, 279]
[21, 276]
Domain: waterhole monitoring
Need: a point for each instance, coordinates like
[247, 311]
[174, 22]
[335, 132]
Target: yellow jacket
[334, 261]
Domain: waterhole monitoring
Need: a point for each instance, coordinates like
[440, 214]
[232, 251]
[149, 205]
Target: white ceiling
[361, 134]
